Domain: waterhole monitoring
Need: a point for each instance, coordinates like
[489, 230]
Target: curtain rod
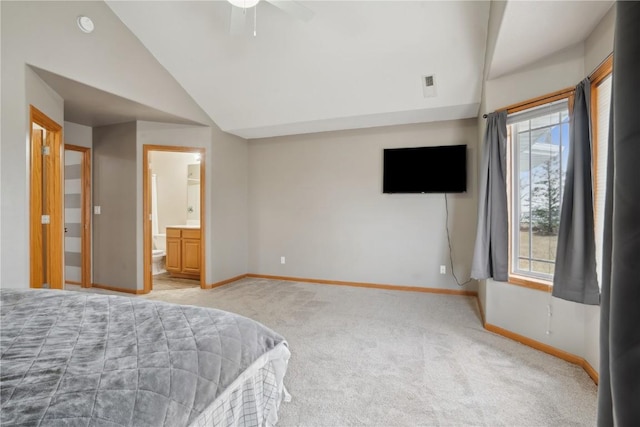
[484, 116]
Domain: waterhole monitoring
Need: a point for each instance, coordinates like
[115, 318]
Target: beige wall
[170, 169]
[114, 190]
[317, 200]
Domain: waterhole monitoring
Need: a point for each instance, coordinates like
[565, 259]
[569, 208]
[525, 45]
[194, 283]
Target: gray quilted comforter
[72, 358]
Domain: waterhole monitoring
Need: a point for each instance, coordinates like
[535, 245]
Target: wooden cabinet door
[172, 261]
[191, 256]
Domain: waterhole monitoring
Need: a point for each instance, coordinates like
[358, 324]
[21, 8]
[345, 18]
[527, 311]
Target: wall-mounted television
[440, 169]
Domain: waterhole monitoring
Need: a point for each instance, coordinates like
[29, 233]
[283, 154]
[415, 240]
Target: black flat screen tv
[441, 169]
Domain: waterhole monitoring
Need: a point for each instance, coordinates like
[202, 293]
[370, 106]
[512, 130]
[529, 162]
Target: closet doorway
[173, 217]
[77, 215]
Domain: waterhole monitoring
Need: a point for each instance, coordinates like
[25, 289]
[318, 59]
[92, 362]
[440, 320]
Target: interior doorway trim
[46, 229]
[146, 210]
[85, 203]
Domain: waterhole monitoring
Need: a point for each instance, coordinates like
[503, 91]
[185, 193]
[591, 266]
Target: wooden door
[46, 219]
[36, 247]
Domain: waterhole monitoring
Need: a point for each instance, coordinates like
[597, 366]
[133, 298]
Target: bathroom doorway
[173, 209]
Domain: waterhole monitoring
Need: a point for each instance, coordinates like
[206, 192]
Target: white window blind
[603, 105]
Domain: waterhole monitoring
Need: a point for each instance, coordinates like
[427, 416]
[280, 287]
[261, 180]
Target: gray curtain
[619, 390]
[605, 405]
[490, 256]
[575, 277]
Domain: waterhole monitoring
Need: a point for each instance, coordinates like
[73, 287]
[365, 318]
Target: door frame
[85, 206]
[49, 203]
[146, 210]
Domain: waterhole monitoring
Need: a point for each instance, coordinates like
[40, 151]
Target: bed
[83, 359]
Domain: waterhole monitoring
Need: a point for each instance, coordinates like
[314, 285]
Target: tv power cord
[446, 206]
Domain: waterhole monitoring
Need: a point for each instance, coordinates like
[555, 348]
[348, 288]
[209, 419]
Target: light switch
[96, 210]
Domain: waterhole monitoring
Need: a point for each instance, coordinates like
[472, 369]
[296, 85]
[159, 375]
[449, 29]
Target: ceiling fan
[239, 12]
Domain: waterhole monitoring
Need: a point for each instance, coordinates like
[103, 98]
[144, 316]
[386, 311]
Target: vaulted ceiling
[354, 64]
[531, 30]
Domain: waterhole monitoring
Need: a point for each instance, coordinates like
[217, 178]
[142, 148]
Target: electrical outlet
[282, 260]
[443, 269]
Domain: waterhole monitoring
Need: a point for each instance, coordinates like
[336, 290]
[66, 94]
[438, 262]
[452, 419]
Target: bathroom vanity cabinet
[183, 252]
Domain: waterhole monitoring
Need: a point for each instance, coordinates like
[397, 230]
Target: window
[538, 145]
[600, 108]
[537, 149]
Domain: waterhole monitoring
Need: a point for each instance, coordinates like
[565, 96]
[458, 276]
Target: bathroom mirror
[193, 194]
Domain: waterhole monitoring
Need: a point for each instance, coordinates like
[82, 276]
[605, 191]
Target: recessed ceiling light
[245, 4]
[85, 24]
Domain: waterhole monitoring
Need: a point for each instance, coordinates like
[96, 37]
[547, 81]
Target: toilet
[158, 254]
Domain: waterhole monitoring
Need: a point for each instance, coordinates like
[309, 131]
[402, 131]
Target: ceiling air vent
[429, 86]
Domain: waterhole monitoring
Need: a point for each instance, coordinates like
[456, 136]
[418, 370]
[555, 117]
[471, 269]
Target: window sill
[528, 282]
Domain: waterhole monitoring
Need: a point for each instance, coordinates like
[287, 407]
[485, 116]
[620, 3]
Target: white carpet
[391, 358]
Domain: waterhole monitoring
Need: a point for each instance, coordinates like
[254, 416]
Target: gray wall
[599, 44]
[114, 190]
[76, 134]
[14, 195]
[226, 204]
[317, 200]
[111, 59]
[515, 308]
[572, 327]
[229, 184]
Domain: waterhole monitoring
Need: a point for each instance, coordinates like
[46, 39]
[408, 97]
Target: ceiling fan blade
[238, 16]
[294, 8]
